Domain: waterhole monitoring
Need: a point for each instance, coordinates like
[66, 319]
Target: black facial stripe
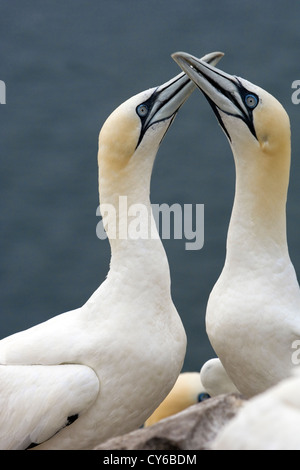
[215, 110]
[216, 72]
[153, 98]
[248, 120]
[157, 93]
[149, 102]
[173, 117]
[146, 122]
[226, 93]
[246, 117]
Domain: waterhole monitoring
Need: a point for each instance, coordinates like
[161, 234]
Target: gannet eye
[142, 110]
[251, 101]
[203, 396]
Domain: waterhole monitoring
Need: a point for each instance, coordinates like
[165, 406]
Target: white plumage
[104, 368]
[214, 378]
[37, 401]
[253, 312]
[269, 421]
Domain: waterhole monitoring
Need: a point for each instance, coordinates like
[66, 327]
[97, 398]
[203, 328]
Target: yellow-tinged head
[252, 119]
[271, 123]
[130, 138]
[138, 125]
[119, 135]
[187, 391]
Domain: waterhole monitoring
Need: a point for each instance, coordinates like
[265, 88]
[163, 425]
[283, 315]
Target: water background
[67, 65]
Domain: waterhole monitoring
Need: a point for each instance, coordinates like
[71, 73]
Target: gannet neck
[125, 198]
[258, 131]
[125, 165]
[258, 219]
[133, 236]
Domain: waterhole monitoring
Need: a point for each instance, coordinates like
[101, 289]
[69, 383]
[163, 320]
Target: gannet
[194, 387]
[268, 421]
[214, 378]
[102, 369]
[187, 391]
[253, 311]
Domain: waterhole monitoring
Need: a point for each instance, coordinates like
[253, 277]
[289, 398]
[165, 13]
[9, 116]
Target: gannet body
[253, 312]
[102, 369]
[187, 391]
[269, 421]
[215, 379]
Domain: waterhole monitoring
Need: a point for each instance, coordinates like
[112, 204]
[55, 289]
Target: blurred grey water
[66, 66]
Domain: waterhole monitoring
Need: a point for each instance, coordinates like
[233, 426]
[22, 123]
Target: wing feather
[37, 401]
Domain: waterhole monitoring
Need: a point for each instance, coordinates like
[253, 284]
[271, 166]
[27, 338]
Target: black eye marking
[143, 110]
[250, 100]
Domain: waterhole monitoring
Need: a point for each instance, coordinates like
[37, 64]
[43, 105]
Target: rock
[192, 429]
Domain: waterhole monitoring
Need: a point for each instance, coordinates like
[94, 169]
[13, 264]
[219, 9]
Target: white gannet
[269, 421]
[214, 378]
[102, 369]
[253, 312]
[187, 391]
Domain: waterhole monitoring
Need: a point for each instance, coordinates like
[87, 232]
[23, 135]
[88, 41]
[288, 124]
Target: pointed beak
[223, 91]
[169, 97]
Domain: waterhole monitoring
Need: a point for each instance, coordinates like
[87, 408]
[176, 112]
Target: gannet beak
[166, 100]
[224, 92]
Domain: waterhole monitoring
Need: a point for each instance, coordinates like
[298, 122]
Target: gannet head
[255, 123]
[187, 391]
[130, 137]
[141, 122]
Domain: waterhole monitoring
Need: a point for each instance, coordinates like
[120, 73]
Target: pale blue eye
[251, 100]
[142, 110]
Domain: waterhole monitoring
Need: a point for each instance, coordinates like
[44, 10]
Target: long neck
[257, 230]
[136, 249]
